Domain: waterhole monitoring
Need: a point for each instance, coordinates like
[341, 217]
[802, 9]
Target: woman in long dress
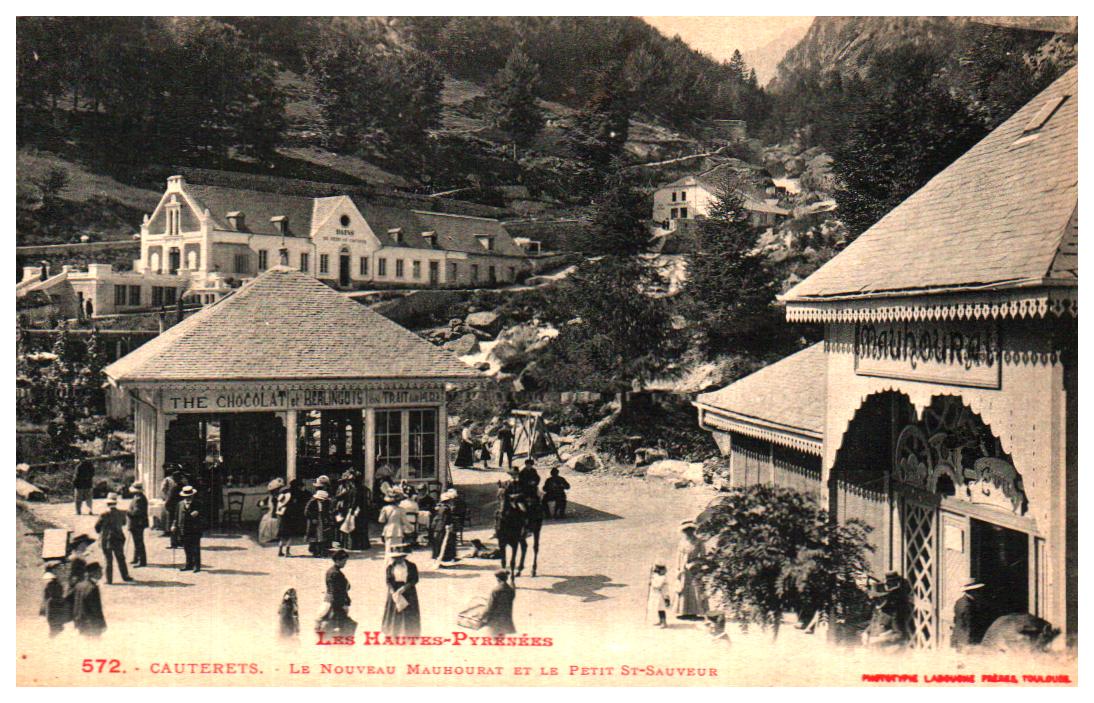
[393, 518]
[402, 616]
[267, 526]
[690, 602]
[320, 516]
[291, 523]
[465, 456]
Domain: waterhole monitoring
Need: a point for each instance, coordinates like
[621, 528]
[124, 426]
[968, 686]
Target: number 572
[110, 666]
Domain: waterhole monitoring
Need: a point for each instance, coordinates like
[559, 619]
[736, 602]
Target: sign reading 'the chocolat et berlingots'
[274, 397]
[955, 353]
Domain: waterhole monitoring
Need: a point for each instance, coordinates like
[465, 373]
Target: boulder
[462, 346]
[488, 322]
[675, 470]
[506, 354]
[583, 463]
[648, 455]
[28, 491]
[793, 166]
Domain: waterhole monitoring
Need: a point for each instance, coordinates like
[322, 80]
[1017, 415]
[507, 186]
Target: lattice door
[920, 554]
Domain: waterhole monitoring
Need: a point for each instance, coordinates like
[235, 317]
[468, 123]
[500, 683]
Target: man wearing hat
[54, 608]
[87, 603]
[967, 626]
[111, 529]
[497, 619]
[529, 477]
[189, 525]
[138, 522]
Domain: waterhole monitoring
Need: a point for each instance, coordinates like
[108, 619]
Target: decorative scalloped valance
[982, 305]
[785, 438]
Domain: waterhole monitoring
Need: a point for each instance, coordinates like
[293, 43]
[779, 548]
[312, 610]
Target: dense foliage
[664, 77]
[374, 100]
[773, 551]
[613, 336]
[731, 283]
[150, 87]
[512, 99]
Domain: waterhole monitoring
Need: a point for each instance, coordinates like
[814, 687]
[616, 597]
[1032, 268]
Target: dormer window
[396, 234]
[486, 240]
[430, 239]
[280, 224]
[236, 221]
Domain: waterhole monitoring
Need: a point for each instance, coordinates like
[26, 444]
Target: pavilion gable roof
[1002, 216]
[286, 325]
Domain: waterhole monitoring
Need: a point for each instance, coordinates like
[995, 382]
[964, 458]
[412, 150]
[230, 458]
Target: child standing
[289, 615]
[658, 601]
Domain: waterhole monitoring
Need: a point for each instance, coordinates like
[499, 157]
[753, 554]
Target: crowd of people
[333, 518]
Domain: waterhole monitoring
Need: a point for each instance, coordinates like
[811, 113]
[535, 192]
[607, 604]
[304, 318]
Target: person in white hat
[690, 602]
[393, 518]
[402, 616]
[138, 522]
[319, 514]
[111, 529]
[443, 529]
[967, 628]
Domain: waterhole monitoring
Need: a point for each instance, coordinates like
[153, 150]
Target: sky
[719, 36]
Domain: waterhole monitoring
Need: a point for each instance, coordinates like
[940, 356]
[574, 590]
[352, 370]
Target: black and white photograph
[546, 351]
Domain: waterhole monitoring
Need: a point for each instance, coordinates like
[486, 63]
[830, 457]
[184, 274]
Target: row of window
[403, 438]
[678, 214]
[130, 296]
[683, 196]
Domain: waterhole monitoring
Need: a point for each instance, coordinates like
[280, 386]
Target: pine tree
[512, 99]
[729, 280]
[619, 221]
[738, 66]
[620, 335]
[903, 133]
[601, 127]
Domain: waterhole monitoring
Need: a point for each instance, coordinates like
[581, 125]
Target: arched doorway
[860, 482]
[344, 268]
[961, 506]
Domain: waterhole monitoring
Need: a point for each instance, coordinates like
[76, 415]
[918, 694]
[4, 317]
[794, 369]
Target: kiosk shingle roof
[790, 392]
[998, 216]
[287, 325]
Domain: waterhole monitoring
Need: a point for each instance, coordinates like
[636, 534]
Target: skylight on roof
[1038, 121]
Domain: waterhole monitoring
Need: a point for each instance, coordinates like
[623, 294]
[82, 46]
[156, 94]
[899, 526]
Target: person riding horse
[520, 515]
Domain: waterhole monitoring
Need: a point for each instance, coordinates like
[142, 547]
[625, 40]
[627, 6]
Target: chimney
[283, 254]
[430, 239]
[175, 183]
[236, 221]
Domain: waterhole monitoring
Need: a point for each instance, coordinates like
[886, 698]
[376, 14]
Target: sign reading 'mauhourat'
[953, 353]
[273, 397]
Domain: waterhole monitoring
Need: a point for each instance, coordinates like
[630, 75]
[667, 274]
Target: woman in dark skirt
[290, 508]
[401, 614]
[320, 523]
[465, 456]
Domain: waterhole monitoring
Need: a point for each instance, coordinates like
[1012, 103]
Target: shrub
[774, 550]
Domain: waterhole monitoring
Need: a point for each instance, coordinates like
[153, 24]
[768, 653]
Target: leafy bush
[774, 550]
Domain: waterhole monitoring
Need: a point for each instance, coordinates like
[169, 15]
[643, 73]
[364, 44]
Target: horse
[533, 523]
[510, 528]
